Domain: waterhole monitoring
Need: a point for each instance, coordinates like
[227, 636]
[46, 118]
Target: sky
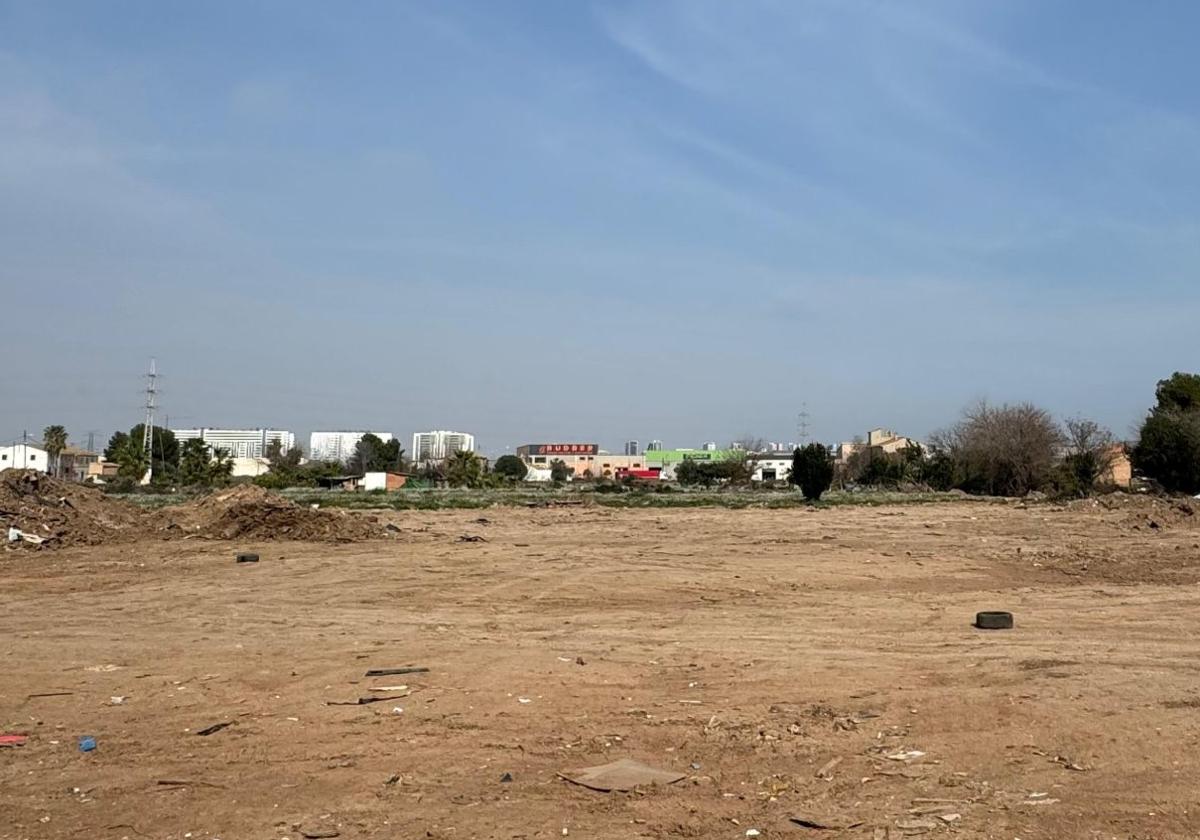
[542, 221]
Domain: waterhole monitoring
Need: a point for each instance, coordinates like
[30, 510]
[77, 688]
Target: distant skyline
[595, 221]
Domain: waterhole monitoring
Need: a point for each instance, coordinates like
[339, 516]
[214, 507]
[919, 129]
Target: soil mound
[62, 513]
[250, 512]
[1146, 512]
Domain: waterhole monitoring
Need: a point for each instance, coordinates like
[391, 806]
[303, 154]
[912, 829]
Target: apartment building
[338, 446]
[439, 445]
[239, 443]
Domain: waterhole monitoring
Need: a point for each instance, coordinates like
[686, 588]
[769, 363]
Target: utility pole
[802, 423]
[151, 394]
[148, 431]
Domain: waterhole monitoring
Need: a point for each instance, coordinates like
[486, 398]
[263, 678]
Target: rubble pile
[248, 512]
[39, 511]
[1146, 512]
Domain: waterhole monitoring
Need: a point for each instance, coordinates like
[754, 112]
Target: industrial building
[239, 443]
[667, 460]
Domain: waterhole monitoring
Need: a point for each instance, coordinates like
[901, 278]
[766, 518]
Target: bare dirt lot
[817, 664]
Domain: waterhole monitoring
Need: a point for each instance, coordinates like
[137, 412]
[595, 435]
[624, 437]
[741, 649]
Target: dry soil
[812, 664]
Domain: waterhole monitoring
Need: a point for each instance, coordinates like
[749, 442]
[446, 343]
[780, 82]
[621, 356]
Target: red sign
[563, 448]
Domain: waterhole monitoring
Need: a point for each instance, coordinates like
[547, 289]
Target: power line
[151, 395]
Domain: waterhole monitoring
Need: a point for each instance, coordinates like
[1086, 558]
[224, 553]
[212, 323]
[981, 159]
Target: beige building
[883, 440]
[583, 459]
[1120, 469]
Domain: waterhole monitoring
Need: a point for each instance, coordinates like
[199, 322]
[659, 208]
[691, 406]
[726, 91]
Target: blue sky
[561, 221]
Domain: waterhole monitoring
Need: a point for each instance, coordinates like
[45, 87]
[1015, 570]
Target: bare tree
[1006, 450]
[1091, 451]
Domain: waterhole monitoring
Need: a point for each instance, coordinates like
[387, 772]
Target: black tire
[994, 620]
[247, 558]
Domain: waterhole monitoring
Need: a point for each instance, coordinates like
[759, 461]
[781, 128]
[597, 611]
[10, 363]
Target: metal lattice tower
[151, 399]
[802, 423]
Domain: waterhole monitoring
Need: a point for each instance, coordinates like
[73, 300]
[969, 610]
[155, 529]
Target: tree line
[1000, 450]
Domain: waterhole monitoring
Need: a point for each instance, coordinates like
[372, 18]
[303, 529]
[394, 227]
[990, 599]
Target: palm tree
[464, 469]
[54, 438]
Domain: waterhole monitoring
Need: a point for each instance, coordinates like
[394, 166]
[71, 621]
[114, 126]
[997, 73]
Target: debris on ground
[364, 701]
[622, 776]
[826, 771]
[13, 740]
[471, 538]
[994, 620]
[87, 743]
[216, 727]
[51, 513]
[823, 823]
[318, 833]
[247, 557]
[396, 672]
[17, 535]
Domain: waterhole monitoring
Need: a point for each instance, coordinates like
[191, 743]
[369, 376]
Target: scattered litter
[395, 672]
[1068, 763]
[51, 694]
[905, 756]
[397, 710]
[389, 688]
[87, 743]
[695, 765]
[17, 535]
[247, 558]
[471, 538]
[506, 778]
[1040, 801]
[318, 833]
[826, 771]
[174, 783]
[949, 818]
[752, 832]
[363, 701]
[918, 824]
[579, 660]
[116, 700]
[216, 727]
[524, 700]
[392, 779]
[13, 740]
[823, 824]
[622, 775]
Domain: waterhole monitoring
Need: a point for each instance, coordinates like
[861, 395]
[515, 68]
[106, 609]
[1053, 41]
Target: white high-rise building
[440, 445]
[239, 443]
[338, 446]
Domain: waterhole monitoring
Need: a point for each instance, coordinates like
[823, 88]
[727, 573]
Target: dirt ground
[748, 649]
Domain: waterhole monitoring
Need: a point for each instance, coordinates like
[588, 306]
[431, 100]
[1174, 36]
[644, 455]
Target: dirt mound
[62, 513]
[250, 512]
[1146, 512]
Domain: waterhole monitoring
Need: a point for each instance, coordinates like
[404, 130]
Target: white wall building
[24, 456]
[772, 469]
[338, 446]
[239, 443]
[439, 445]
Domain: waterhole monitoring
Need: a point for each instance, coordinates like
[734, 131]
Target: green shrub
[812, 470]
